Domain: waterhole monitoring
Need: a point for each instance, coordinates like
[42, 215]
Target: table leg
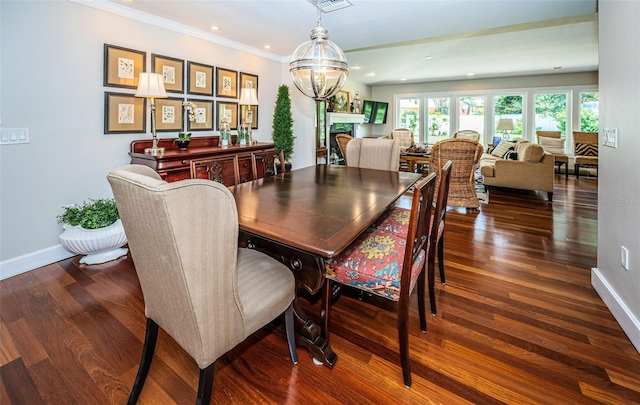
[309, 271]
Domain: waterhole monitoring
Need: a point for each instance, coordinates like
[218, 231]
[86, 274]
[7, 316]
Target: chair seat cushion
[586, 160]
[396, 220]
[373, 263]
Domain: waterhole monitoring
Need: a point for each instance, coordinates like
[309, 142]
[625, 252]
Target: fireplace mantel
[343, 118]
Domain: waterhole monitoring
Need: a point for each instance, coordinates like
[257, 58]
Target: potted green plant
[184, 138]
[93, 229]
[282, 134]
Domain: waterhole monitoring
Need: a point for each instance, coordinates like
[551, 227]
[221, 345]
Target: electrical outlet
[624, 257]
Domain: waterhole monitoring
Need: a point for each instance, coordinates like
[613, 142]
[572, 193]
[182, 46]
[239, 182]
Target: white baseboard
[31, 261]
[627, 320]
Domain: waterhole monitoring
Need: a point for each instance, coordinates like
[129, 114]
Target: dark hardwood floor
[518, 323]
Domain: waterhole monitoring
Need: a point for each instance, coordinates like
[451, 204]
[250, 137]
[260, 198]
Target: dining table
[308, 215]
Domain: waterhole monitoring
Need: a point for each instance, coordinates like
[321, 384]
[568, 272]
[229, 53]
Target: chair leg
[550, 196]
[576, 169]
[150, 339]
[566, 170]
[205, 385]
[403, 337]
[291, 335]
[441, 259]
[421, 301]
[325, 311]
[431, 274]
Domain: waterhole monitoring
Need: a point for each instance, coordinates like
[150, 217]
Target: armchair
[198, 286]
[552, 143]
[586, 150]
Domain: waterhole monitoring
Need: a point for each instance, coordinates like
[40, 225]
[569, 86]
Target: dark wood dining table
[311, 214]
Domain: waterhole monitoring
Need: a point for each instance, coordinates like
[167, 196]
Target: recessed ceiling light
[356, 67]
[267, 47]
[557, 67]
[404, 79]
[215, 28]
[428, 57]
[470, 74]
[371, 74]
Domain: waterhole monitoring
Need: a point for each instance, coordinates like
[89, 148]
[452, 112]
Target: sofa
[522, 165]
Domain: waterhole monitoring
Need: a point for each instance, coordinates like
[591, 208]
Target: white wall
[618, 182]
[51, 80]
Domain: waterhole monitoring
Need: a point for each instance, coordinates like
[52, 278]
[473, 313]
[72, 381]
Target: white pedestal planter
[99, 245]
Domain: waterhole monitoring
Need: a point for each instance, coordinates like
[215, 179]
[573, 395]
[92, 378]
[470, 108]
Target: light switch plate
[13, 136]
[610, 138]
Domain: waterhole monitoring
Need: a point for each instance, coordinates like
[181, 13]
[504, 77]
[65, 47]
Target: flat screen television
[367, 110]
[379, 113]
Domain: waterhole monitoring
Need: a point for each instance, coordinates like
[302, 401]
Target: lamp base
[154, 151]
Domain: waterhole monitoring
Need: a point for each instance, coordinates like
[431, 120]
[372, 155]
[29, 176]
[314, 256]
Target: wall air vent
[330, 5]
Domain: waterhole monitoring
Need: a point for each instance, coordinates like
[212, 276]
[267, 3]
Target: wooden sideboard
[174, 164]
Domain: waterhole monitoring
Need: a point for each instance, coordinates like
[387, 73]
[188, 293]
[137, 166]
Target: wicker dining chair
[560, 158]
[467, 134]
[586, 150]
[464, 154]
[342, 140]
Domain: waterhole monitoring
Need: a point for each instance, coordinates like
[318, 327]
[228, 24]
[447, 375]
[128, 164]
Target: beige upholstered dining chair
[372, 153]
[342, 140]
[467, 134]
[585, 150]
[266, 163]
[464, 154]
[220, 169]
[552, 142]
[198, 286]
[362, 265]
[404, 137]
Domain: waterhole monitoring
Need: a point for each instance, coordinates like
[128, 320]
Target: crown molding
[128, 12]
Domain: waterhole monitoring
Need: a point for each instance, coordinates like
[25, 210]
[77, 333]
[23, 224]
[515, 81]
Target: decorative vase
[182, 144]
[225, 135]
[99, 245]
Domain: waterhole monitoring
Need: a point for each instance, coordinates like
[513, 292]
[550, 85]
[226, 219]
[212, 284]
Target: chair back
[467, 134]
[342, 140]
[464, 154]
[585, 138]
[404, 137]
[263, 164]
[183, 239]
[417, 232]
[548, 134]
[372, 153]
[221, 169]
[441, 204]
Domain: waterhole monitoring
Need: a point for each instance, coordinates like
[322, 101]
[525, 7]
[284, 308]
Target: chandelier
[318, 67]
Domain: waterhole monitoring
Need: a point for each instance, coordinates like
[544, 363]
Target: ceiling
[387, 42]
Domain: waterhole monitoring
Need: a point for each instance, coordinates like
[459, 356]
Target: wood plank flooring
[518, 323]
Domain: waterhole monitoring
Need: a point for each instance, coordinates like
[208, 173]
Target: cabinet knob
[245, 164]
[184, 162]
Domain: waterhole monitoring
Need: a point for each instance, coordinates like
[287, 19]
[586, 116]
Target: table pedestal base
[308, 270]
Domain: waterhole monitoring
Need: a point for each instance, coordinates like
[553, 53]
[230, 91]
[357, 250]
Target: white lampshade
[248, 96]
[318, 67]
[151, 85]
[505, 124]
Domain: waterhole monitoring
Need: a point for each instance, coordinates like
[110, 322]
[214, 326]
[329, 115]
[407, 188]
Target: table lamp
[151, 85]
[248, 97]
[505, 124]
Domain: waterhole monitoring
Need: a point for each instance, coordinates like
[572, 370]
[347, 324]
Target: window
[589, 108]
[508, 106]
[551, 112]
[409, 117]
[471, 113]
[438, 119]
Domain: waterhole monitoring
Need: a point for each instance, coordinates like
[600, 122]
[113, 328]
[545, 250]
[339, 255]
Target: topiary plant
[93, 215]
[282, 134]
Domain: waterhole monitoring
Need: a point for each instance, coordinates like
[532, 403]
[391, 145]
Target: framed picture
[341, 102]
[228, 111]
[169, 114]
[124, 113]
[200, 79]
[248, 81]
[123, 66]
[226, 83]
[172, 71]
[203, 112]
[249, 115]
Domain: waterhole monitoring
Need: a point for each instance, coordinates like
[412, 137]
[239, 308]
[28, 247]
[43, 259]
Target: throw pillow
[531, 153]
[509, 154]
[586, 149]
[502, 148]
[555, 146]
